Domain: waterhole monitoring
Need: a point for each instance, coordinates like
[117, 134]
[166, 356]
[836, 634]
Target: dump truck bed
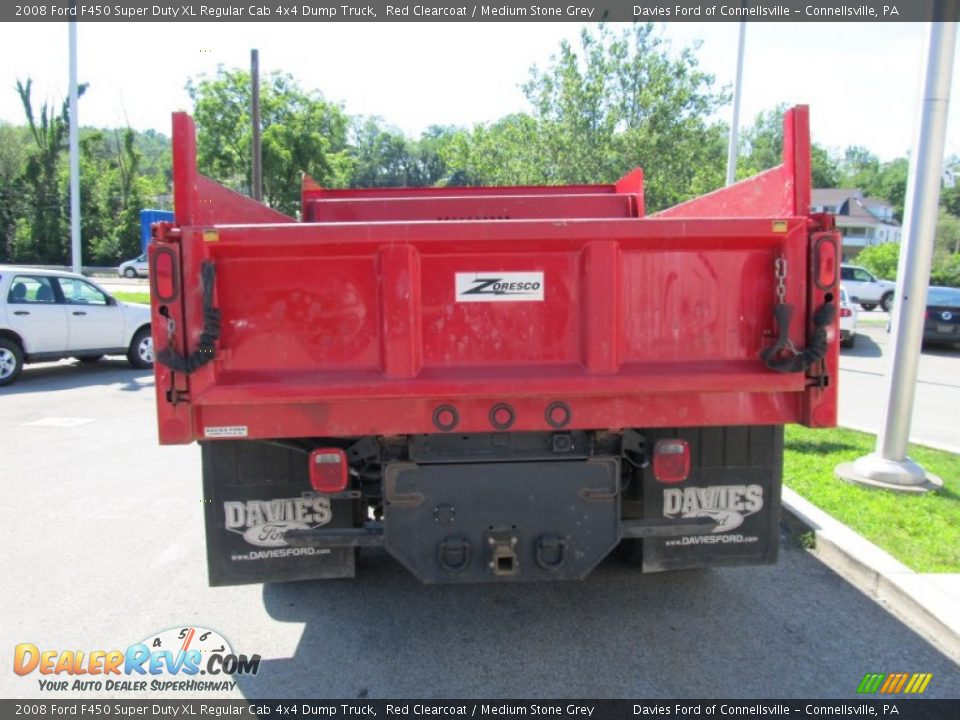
[478, 309]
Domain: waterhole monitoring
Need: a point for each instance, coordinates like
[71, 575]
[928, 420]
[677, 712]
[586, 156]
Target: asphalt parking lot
[863, 388]
[105, 543]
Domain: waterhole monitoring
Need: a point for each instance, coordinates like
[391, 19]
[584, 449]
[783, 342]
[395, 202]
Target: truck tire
[140, 354]
[11, 360]
[130, 273]
[886, 302]
[849, 341]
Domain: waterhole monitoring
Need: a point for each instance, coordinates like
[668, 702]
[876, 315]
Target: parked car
[848, 320]
[48, 315]
[134, 268]
[942, 320]
[869, 290]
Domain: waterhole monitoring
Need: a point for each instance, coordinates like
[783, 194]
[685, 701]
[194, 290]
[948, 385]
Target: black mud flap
[502, 521]
[735, 479]
[255, 492]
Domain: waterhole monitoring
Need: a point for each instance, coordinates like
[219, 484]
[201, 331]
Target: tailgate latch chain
[783, 356]
[206, 350]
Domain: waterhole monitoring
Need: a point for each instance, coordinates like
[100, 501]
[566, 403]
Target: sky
[862, 81]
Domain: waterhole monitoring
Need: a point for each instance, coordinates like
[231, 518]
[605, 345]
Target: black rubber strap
[206, 350]
[782, 357]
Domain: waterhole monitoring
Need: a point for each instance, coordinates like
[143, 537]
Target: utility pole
[74, 153]
[256, 181]
[889, 466]
[735, 122]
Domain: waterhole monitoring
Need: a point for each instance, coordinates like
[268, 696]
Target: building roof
[853, 209]
[833, 196]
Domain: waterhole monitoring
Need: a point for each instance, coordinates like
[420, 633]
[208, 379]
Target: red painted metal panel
[401, 336]
[780, 192]
[490, 207]
[600, 338]
[362, 326]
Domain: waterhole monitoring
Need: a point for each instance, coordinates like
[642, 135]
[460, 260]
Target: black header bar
[891, 707]
[471, 11]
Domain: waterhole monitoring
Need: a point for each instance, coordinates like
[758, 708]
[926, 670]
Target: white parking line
[60, 422]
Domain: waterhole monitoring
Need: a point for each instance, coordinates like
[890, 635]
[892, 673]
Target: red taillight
[845, 312]
[826, 253]
[165, 275]
[671, 460]
[328, 470]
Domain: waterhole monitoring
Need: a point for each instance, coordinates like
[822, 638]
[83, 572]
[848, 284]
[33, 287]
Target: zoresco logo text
[499, 287]
[184, 652]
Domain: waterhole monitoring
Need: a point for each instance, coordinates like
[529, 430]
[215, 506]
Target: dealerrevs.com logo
[170, 660]
[499, 287]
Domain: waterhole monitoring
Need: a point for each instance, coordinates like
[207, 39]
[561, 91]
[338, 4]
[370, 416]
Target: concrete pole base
[902, 476]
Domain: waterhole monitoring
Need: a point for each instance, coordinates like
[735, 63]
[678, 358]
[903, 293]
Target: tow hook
[503, 553]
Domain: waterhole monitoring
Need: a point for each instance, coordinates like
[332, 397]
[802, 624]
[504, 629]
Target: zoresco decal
[728, 505]
[169, 660]
[499, 287]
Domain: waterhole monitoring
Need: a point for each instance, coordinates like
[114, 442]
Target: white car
[48, 315]
[848, 320]
[137, 267]
[866, 289]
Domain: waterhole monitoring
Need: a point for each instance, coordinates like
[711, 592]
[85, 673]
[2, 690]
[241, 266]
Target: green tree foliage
[881, 259]
[114, 187]
[946, 271]
[385, 157]
[860, 168]
[761, 148]
[946, 252]
[116, 191]
[48, 235]
[14, 142]
[506, 152]
[620, 100]
[301, 133]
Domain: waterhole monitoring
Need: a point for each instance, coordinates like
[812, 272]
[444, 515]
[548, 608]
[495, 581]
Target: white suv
[48, 315]
[866, 289]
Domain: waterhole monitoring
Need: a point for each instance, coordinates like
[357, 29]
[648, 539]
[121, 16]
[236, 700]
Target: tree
[509, 151]
[13, 159]
[761, 148]
[623, 100]
[948, 234]
[48, 237]
[881, 260]
[384, 157]
[117, 194]
[302, 133]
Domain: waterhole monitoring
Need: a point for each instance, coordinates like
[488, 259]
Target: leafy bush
[881, 260]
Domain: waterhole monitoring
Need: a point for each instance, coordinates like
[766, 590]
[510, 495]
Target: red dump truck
[494, 384]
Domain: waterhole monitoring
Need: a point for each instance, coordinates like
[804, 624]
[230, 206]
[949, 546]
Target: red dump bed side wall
[358, 321]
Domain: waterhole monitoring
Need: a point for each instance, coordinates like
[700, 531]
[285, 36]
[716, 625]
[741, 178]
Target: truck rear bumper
[495, 508]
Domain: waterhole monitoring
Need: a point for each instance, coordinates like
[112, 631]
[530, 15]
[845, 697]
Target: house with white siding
[863, 221]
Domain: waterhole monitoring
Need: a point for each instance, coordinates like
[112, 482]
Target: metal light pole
[74, 155]
[889, 465]
[256, 180]
[735, 123]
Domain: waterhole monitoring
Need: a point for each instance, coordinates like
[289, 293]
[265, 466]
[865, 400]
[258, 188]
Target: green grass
[921, 531]
[872, 320]
[135, 297]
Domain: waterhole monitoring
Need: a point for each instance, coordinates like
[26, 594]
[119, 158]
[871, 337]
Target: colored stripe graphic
[894, 683]
[870, 683]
